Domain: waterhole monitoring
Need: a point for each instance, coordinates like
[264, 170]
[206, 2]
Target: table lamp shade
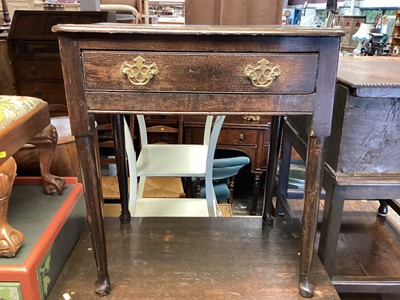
[362, 33]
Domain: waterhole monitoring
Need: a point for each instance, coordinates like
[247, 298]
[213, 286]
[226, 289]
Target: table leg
[331, 223]
[276, 133]
[94, 201]
[256, 191]
[312, 190]
[122, 169]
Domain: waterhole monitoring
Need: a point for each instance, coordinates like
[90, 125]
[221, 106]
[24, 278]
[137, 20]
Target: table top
[369, 74]
[265, 30]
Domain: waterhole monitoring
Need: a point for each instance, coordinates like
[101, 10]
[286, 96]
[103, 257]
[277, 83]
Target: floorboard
[194, 258]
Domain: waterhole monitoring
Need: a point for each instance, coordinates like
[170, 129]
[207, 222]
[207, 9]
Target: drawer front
[37, 69]
[200, 72]
[46, 90]
[226, 136]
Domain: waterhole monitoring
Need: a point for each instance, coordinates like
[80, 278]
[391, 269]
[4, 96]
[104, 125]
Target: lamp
[362, 35]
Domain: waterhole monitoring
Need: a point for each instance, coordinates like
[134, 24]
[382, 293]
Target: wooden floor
[194, 258]
[368, 245]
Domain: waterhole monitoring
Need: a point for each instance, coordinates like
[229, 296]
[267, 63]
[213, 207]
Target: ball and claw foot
[10, 241]
[103, 287]
[306, 289]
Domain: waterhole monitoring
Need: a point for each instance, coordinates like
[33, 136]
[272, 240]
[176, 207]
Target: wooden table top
[370, 72]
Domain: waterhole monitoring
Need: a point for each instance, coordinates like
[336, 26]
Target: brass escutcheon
[262, 75]
[139, 73]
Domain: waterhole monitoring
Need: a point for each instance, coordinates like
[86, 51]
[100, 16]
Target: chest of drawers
[35, 57]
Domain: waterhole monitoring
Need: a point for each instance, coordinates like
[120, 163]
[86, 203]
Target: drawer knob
[138, 73]
[241, 138]
[262, 75]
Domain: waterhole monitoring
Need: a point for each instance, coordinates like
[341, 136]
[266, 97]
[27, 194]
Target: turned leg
[10, 238]
[231, 186]
[197, 187]
[94, 201]
[256, 190]
[312, 190]
[276, 132]
[122, 168]
[46, 143]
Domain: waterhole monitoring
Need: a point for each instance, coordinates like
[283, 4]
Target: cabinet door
[233, 12]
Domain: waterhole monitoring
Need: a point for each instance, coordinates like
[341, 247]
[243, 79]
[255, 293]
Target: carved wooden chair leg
[10, 238]
[198, 187]
[46, 143]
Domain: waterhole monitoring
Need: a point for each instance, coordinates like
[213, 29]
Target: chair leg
[10, 238]
[198, 187]
[46, 142]
[231, 189]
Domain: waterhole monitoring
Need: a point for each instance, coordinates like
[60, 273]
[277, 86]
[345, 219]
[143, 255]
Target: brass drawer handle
[262, 75]
[139, 73]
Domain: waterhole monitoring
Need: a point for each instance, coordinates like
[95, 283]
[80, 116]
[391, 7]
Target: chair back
[228, 167]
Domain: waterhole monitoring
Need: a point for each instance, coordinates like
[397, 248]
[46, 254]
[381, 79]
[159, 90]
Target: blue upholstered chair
[224, 172]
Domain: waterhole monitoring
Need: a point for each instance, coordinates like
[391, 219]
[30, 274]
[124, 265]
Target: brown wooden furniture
[396, 33]
[198, 70]
[362, 161]
[233, 12]
[35, 57]
[350, 25]
[25, 126]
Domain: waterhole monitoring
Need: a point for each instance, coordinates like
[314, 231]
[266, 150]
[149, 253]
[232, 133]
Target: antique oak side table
[266, 70]
[362, 160]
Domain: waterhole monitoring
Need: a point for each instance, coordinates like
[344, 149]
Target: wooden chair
[172, 160]
[223, 174]
[23, 120]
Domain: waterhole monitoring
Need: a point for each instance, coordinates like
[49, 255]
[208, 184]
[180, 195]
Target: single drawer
[37, 69]
[226, 136]
[283, 73]
[46, 90]
[237, 137]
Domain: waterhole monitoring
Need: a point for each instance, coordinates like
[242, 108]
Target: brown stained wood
[199, 72]
[194, 258]
[375, 73]
[34, 54]
[75, 40]
[11, 239]
[206, 43]
[197, 30]
[171, 103]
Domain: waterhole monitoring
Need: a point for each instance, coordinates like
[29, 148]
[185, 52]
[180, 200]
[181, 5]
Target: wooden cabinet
[233, 12]
[396, 33]
[35, 57]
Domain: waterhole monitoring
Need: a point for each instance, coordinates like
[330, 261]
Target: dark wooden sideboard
[198, 70]
[35, 57]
